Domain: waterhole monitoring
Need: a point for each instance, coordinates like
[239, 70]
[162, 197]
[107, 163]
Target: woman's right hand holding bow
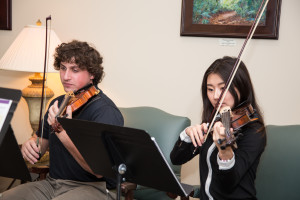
[197, 133]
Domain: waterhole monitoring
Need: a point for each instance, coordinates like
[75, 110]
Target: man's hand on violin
[30, 150]
[196, 133]
[219, 135]
[52, 121]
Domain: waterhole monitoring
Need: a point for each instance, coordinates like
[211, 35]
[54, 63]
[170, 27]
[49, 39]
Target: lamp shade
[27, 52]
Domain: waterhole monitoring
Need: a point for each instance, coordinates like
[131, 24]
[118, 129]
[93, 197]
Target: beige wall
[148, 63]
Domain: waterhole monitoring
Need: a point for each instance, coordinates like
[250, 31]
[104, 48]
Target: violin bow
[236, 65]
[43, 98]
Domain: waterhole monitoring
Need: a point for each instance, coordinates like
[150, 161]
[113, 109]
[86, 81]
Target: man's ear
[92, 77]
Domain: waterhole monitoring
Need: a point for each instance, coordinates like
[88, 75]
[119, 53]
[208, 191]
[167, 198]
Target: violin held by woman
[227, 163]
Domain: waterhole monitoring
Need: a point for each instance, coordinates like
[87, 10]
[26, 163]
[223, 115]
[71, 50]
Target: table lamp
[27, 53]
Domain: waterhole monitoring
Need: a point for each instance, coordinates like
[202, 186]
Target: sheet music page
[4, 108]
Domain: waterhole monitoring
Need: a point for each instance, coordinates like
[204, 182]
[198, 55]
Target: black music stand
[12, 164]
[123, 153]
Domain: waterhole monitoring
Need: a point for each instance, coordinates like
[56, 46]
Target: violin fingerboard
[225, 118]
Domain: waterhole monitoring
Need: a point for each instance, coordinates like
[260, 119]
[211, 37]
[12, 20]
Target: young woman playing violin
[70, 177]
[227, 171]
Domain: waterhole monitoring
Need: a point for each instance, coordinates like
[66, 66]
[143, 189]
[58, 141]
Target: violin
[235, 119]
[76, 100]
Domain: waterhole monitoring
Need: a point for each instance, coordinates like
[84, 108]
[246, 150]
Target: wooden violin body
[76, 100]
[242, 116]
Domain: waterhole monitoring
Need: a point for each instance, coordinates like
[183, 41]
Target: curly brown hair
[84, 55]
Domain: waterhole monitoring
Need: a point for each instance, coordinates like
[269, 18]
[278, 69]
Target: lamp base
[32, 95]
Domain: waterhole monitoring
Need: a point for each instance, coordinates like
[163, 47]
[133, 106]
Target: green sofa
[277, 174]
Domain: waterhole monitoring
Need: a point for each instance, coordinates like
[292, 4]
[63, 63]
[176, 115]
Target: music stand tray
[106, 147]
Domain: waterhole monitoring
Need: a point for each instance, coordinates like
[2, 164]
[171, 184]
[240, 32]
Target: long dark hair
[242, 82]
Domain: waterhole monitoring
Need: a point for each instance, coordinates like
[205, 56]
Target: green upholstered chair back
[278, 172]
[164, 127]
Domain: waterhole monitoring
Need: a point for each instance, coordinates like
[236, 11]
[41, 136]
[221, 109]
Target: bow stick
[236, 65]
[43, 101]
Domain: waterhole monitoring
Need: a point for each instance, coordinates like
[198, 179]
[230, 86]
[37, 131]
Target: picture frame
[268, 30]
[5, 15]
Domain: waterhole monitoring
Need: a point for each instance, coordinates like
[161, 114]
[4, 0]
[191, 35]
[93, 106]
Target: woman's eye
[210, 89]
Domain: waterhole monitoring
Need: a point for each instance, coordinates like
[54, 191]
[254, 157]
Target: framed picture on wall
[229, 18]
[5, 15]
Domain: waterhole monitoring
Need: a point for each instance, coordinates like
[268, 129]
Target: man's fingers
[55, 107]
[30, 155]
[69, 112]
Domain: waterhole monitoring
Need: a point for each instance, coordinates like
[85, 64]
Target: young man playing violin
[70, 177]
[226, 171]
